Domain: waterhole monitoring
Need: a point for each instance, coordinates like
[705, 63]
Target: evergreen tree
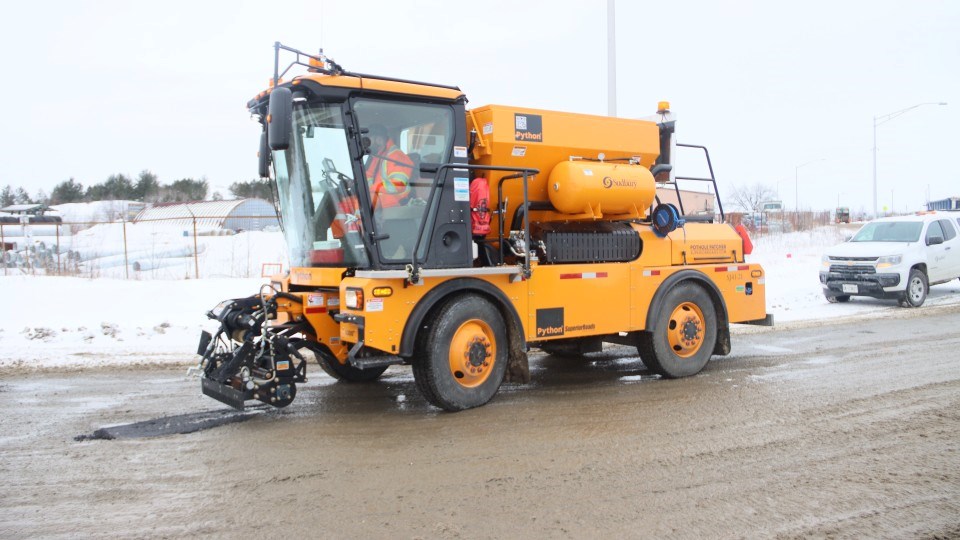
[184, 190]
[20, 196]
[261, 189]
[6, 196]
[68, 191]
[147, 188]
[119, 187]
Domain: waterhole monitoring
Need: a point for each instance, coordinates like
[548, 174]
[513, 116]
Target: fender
[518, 368]
[441, 293]
[723, 324]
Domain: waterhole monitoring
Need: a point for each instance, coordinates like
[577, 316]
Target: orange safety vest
[390, 175]
[347, 218]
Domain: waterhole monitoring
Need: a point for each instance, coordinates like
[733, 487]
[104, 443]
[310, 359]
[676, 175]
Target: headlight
[889, 260]
[219, 309]
[825, 260]
[353, 298]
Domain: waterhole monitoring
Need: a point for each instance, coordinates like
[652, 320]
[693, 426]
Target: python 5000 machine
[454, 241]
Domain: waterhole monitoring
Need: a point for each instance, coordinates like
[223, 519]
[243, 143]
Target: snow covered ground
[77, 322]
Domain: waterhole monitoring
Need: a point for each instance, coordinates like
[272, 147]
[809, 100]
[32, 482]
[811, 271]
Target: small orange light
[317, 64]
[755, 273]
[382, 292]
[296, 82]
[663, 107]
[269, 118]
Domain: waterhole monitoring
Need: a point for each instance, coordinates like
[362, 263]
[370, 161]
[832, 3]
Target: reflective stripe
[584, 275]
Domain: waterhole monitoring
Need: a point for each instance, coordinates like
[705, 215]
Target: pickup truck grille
[852, 269]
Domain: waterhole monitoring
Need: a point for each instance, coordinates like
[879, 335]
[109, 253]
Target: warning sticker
[488, 128]
[375, 304]
[333, 302]
[461, 189]
[459, 151]
[314, 304]
[519, 151]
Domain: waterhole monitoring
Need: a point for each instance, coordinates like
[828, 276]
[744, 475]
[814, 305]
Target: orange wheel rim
[472, 353]
[685, 330]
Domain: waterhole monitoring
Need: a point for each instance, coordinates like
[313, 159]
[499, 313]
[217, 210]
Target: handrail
[432, 212]
[712, 179]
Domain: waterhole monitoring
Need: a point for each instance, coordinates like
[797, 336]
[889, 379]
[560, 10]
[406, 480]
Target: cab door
[937, 266]
[951, 243]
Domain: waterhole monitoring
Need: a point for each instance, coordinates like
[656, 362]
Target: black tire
[474, 326]
[839, 298]
[332, 367]
[917, 289]
[684, 334]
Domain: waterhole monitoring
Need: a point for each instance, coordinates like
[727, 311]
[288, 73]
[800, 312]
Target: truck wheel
[839, 298]
[684, 333]
[462, 356]
[917, 288]
[331, 366]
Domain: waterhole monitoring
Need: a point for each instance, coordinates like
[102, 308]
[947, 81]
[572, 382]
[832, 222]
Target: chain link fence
[166, 248]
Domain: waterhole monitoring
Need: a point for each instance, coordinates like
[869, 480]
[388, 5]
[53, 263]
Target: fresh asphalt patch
[172, 425]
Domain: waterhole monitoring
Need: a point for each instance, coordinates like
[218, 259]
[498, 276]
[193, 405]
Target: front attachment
[247, 359]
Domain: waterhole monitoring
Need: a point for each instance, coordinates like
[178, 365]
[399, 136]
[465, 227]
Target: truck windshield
[317, 192]
[889, 231]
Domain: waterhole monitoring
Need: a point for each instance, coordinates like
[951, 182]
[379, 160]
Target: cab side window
[948, 231]
[934, 230]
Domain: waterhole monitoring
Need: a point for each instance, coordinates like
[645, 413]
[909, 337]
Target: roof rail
[320, 63]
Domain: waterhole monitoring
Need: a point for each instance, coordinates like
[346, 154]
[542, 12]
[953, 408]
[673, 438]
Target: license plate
[847, 288]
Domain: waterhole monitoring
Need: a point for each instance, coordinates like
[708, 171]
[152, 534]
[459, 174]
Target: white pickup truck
[896, 257]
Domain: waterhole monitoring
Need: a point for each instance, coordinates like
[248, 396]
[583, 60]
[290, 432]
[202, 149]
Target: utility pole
[611, 59]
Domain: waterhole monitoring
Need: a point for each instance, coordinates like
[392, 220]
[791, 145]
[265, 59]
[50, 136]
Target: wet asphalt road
[850, 429]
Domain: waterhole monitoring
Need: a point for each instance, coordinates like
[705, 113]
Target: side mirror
[328, 166]
[934, 240]
[264, 157]
[280, 118]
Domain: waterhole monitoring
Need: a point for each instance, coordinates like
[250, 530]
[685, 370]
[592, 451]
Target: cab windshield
[317, 192]
[889, 231]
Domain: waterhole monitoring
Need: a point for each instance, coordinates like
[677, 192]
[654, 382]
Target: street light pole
[611, 59]
[883, 119]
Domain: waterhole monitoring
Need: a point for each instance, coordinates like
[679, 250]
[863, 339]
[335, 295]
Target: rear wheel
[684, 334]
[917, 288]
[331, 366]
[462, 355]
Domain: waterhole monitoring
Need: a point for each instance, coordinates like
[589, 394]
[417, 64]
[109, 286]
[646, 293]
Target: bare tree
[750, 198]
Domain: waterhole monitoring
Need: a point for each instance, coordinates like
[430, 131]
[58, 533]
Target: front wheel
[839, 298]
[917, 289]
[684, 334]
[461, 358]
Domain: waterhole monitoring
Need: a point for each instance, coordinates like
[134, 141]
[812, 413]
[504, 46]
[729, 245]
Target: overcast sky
[92, 89]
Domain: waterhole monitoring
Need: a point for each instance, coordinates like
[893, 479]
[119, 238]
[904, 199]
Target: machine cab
[359, 176]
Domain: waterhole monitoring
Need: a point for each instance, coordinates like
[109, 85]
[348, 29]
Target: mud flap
[225, 393]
